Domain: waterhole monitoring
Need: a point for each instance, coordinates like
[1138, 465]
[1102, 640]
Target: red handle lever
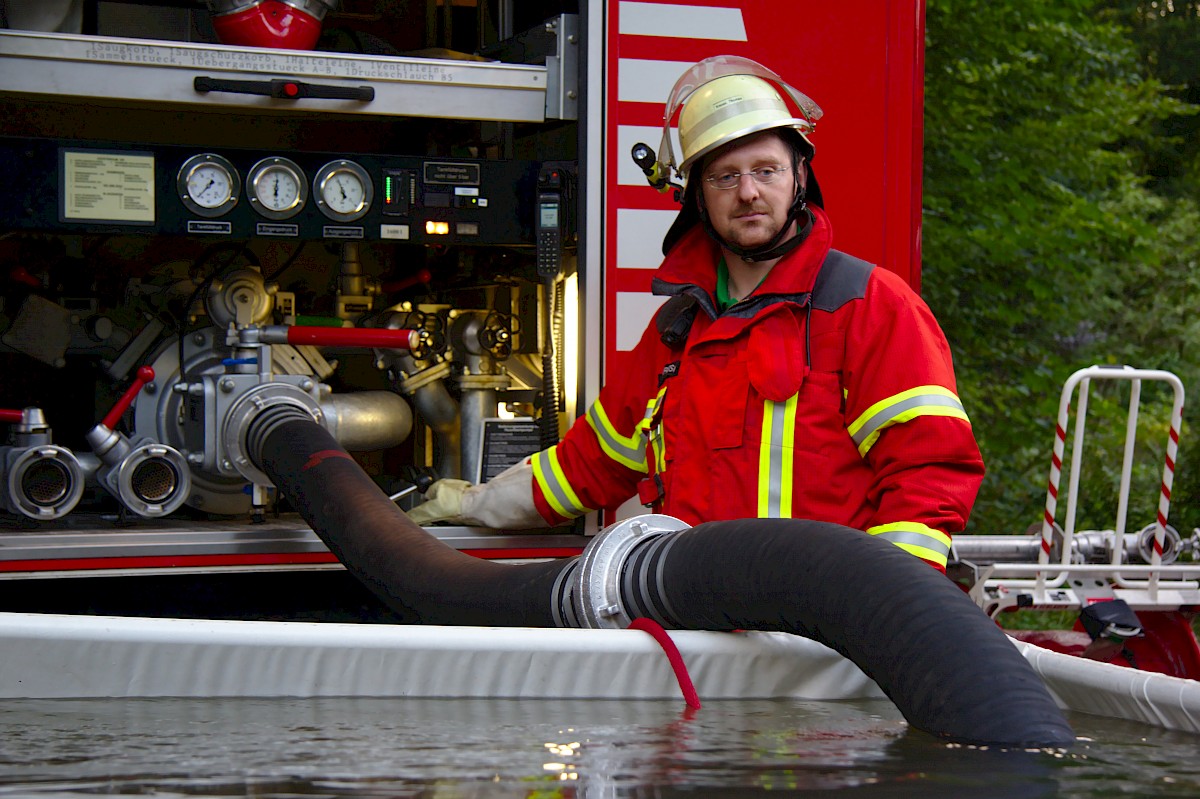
[21, 275]
[13, 417]
[351, 337]
[144, 375]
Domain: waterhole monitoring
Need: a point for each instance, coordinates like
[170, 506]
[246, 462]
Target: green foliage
[1045, 250]
[1039, 619]
[1166, 34]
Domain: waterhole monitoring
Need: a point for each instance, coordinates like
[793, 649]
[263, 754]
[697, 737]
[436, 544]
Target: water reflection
[484, 748]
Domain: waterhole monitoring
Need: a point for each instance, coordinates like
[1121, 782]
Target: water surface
[543, 749]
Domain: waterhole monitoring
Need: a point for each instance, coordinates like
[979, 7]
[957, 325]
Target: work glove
[505, 502]
[443, 503]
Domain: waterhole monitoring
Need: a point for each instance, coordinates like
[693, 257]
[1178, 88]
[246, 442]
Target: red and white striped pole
[1168, 478]
[1056, 462]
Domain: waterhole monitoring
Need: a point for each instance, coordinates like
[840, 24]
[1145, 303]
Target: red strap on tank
[673, 657]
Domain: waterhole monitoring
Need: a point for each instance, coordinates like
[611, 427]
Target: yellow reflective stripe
[555, 488]
[775, 461]
[904, 407]
[651, 410]
[916, 538]
[659, 445]
[629, 451]
[652, 407]
[655, 434]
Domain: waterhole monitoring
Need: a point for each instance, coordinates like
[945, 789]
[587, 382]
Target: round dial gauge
[343, 190]
[208, 185]
[277, 188]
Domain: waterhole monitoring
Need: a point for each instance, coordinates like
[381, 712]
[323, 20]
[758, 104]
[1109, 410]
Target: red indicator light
[291, 89]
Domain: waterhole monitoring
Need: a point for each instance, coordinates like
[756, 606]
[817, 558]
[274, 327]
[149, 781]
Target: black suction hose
[947, 667]
[416, 575]
[941, 660]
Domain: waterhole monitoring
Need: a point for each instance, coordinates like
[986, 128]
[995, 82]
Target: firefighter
[781, 378]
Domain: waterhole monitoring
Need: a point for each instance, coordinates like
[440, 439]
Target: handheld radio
[549, 228]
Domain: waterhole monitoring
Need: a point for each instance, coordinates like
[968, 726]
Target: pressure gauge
[277, 188]
[343, 190]
[208, 185]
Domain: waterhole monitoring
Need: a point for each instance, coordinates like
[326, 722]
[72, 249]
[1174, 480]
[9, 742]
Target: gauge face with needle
[208, 185]
[277, 188]
[343, 190]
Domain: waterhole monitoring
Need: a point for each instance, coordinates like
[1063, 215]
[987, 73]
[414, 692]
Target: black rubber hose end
[949, 669]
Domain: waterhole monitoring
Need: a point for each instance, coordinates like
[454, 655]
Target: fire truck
[422, 226]
[427, 231]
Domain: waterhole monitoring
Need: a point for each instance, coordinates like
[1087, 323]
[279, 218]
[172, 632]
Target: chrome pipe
[362, 421]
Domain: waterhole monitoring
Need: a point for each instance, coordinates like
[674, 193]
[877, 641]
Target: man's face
[751, 213]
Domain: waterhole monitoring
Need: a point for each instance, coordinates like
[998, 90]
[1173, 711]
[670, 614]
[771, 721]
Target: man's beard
[760, 232]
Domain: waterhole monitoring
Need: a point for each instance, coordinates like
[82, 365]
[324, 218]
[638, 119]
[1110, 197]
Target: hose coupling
[597, 588]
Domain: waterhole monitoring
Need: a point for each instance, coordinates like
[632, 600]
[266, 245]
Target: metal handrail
[1049, 575]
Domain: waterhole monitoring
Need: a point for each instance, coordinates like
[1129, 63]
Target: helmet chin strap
[777, 247]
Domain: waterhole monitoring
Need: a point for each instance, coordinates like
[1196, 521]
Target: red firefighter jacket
[843, 409]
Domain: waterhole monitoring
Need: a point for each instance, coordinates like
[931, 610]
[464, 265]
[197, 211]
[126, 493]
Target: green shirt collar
[723, 298]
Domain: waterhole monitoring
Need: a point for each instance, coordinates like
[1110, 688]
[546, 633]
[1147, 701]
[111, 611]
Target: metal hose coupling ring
[43, 482]
[597, 581]
[258, 414]
[151, 479]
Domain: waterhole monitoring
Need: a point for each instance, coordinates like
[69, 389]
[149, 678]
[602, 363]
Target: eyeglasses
[764, 174]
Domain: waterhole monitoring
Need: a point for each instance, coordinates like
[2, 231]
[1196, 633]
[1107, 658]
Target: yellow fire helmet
[725, 98]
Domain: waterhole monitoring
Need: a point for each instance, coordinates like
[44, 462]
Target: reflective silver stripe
[891, 412]
[917, 540]
[629, 452]
[730, 111]
[559, 493]
[774, 460]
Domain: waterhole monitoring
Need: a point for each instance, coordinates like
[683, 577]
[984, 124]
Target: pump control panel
[104, 187]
